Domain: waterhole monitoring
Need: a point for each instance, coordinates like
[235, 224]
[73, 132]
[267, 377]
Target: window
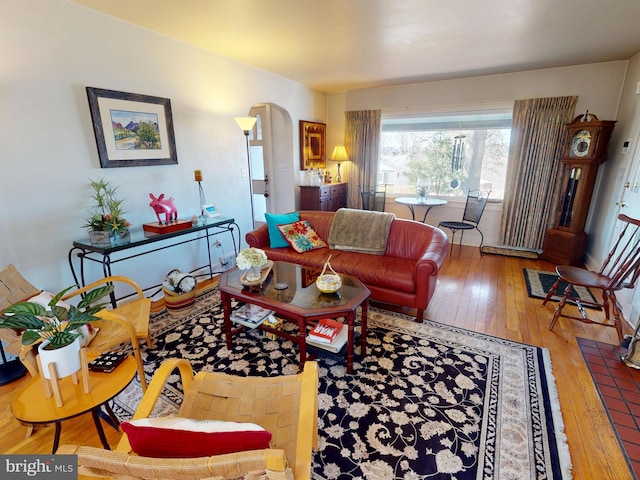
[452, 152]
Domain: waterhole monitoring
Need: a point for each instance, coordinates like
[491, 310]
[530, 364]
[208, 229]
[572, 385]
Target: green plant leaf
[27, 308]
[60, 313]
[62, 339]
[29, 336]
[21, 320]
[95, 295]
[57, 298]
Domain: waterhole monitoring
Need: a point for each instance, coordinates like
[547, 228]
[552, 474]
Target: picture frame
[312, 145]
[210, 211]
[132, 130]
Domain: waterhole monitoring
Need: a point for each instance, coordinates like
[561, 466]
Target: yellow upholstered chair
[286, 406]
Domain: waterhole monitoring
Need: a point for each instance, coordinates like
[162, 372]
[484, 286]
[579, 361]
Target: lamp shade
[246, 123]
[339, 154]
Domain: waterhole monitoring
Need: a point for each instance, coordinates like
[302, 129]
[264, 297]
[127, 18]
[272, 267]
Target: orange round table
[31, 407]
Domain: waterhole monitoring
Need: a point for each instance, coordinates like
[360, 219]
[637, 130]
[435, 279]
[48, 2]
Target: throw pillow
[276, 240]
[301, 236]
[177, 437]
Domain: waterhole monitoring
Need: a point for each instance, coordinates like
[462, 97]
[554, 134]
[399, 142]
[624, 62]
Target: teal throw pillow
[276, 240]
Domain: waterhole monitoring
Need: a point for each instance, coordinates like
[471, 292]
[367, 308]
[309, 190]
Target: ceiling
[339, 45]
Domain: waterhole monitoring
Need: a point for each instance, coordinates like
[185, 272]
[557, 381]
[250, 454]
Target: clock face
[581, 143]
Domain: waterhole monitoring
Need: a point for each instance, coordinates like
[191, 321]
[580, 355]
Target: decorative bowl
[328, 283]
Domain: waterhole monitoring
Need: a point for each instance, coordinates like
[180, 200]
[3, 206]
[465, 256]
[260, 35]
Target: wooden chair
[286, 406]
[473, 210]
[620, 269]
[124, 324]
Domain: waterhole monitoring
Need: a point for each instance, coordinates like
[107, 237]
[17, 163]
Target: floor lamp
[246, 124]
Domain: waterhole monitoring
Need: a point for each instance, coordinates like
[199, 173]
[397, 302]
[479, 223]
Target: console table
[146, 242]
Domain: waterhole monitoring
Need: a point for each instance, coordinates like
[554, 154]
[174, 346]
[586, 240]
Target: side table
[30, 406]
[412, 202]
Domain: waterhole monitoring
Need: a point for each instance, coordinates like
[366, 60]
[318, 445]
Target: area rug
[539, 283]
[429, 401]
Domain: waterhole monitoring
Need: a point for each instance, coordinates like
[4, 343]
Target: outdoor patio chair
[473, 210]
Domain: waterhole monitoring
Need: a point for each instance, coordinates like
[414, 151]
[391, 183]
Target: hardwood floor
[483, 293]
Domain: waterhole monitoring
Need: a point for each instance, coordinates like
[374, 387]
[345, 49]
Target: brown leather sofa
[405, 275]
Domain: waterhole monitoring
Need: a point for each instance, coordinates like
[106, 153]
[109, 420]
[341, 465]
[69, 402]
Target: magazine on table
[326, 330]
[335, 346]
[250, 315]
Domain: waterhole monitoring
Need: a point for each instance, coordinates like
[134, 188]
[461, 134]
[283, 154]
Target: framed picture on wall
[132, 130]
[312, 145]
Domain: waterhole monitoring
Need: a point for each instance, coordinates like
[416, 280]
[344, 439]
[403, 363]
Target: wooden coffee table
[290, 291]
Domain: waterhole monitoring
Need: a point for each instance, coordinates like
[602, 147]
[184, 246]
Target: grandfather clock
[584, 151]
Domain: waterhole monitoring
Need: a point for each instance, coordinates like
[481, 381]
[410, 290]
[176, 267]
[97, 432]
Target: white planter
[66, 359]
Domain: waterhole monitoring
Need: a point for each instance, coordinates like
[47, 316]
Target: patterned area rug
[428, 402]
[539, 283]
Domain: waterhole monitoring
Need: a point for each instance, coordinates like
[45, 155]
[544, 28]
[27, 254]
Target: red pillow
[176, 437]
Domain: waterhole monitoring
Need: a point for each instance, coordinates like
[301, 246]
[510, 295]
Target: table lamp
[339, 155]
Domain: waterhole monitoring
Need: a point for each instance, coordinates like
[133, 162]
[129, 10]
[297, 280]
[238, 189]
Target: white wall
[51, 50]
[597, 85]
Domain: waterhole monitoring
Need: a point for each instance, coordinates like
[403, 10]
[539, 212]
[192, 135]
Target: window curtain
[533, 184]
[362, 141]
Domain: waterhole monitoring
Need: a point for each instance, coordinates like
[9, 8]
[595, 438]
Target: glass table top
[295, 286]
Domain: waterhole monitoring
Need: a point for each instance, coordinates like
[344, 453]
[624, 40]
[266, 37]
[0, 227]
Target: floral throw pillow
[301, 236]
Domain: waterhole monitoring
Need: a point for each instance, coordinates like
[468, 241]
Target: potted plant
[106, 225]
[179, 292]
[57, 326]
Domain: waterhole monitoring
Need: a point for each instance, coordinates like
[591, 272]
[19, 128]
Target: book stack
[329, 335]
[249, 315]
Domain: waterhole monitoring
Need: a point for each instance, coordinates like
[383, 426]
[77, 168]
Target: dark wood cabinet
[328, 197]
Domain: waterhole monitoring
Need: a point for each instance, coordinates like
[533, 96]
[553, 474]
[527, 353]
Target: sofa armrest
[436, 252]
[258, 238]
[429, 264]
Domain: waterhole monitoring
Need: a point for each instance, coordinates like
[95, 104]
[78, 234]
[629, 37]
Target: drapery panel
[533, 184]
[362, 141]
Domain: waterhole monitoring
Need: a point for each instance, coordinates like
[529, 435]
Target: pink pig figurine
[160, 205]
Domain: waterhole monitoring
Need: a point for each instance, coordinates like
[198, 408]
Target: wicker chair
[286, 406]
[124, 324]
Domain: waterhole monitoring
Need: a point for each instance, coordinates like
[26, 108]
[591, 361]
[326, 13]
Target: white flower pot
[66, 359]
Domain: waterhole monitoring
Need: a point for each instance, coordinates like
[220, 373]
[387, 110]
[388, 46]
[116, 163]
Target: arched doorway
[272, 166]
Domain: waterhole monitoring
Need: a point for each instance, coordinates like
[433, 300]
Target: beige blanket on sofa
[360, 231]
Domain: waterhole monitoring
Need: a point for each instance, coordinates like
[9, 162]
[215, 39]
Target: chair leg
[551, 291]
[481, 240]
[617, 321]
[453, 238]
[558, 311]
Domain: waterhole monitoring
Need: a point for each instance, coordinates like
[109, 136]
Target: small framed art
[312, 145]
